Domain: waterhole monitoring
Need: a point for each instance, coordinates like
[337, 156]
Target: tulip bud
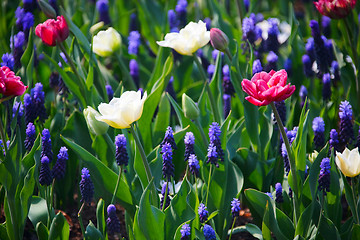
[189, 107]
[47, 9]
[96, 27]
[218, 39]
[96, 127]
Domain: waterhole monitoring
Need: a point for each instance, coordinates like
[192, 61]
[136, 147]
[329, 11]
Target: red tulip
[10, 84]
[265, 88]
[53, 31]
[335, 9]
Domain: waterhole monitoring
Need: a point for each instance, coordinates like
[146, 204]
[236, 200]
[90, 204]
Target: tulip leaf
[327, 228]
[100, 218]
[179, 210]
[314, 171]
[103, 177]
[38, 211]
[298, 147]
[149, 220]
[285, 224]
[72, 85]
[59, 228]
[151, 103]
[41, 231]
[349, 195]
[304, 221]
[92, 233]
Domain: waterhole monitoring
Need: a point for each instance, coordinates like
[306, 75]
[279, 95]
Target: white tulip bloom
[106, 42]
[123, 111]
[348, 162]
[192, 37]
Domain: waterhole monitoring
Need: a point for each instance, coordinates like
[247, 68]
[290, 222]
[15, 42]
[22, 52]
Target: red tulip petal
[249, 87]
[256, 102]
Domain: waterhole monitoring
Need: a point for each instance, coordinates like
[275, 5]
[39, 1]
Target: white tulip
[106, 42]
[192, 37]
[349, 162]
[123, 111]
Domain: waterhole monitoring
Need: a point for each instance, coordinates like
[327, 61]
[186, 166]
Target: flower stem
[81, 221]
[232, 227]
[213, 105]
[208, 186]
[355, 200]
[126, 73]
[71, 62]
[3, 137]
[145, 163]
[291, 160]
[117, 183]
[165, 197]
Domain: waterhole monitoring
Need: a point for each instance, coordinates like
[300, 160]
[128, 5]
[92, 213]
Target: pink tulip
[265, 88]
[335, 9]
[10, 84]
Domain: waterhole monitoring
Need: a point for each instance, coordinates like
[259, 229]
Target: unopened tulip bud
[190, 109]
[47, 9]
[218, 39]
[95, 127]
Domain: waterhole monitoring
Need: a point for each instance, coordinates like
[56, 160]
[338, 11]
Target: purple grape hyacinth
[45, 173]
[318, 126]
[235, 207]
[279, 197]
[46, 145]
[203, 213]
[324, 176]
[209, 232]
[194, 165]
[185, 232]
[168, 166]
[30, 136]
[112, 222]
[121, 154]
[163, 193]
[59, 168]
[189, 142]
[86, 186]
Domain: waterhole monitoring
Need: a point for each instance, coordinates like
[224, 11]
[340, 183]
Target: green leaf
[254, 230]
[179, 210]
[304, 221]
[71, 83]
[90, 78]
[3, 232]
[162, 119]
[41, 231]
[314, 171]
[100, 211]
[271, 223]
[149, 219]
[26, 192]
[327, 229]
[355, 233]
[92, 233]
[285, 224]
[59, 228]
[38, 211]
[349, 195]
[298, 147]
[103, 178]
[151, 103]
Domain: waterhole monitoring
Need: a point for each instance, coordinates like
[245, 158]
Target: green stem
[196, 193]
[126, 73]
[203, 136]
[320, 215]
[145, 163]
[3, 137]
[208, 186]
[291, 160]
[48, 200]
[232, 227]
[117, 183]
[355, 200]
[213, 104]
[14, 223]
[51, 196]
[165, 196]
[81, 221]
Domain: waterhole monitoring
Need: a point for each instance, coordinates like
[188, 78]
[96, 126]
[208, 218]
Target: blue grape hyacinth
[168, 166]
[112, 222]
[346, 134]
[59, 168]
[324, 176]
[194, 166]
[163, 193]
[279, 197]
[235, 207]
[45, 173]
[86, 186]
[209, 232]
[46, 145]
[169, 138]
[318, 126]
[214, 135]
[185, 232]
[189, 141]
[30, 136]
[203, 213]
[121, 154]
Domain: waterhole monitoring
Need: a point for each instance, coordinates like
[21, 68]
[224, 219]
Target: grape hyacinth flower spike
[235, 207]
[194, 166]
[189, 141]
[112, 222]
[185, 232]
[165, 194]
[46, 145]
[45, 178]
[121, 155]
[86, 186]
[203, 213]
[209, 232]
[346, 134]
[169, 138]
[278, 189]
[318, 127]
[30, 136]
[324, 176]
[168, 166]
[59, 168]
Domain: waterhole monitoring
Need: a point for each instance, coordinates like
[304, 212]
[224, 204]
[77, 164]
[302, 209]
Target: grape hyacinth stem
[126, 73]
[80, 219]
[213, 105]
[232, 227]
[208, 186]
[145, 163]
[165, 196]
[117, 183]
[291, 160]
